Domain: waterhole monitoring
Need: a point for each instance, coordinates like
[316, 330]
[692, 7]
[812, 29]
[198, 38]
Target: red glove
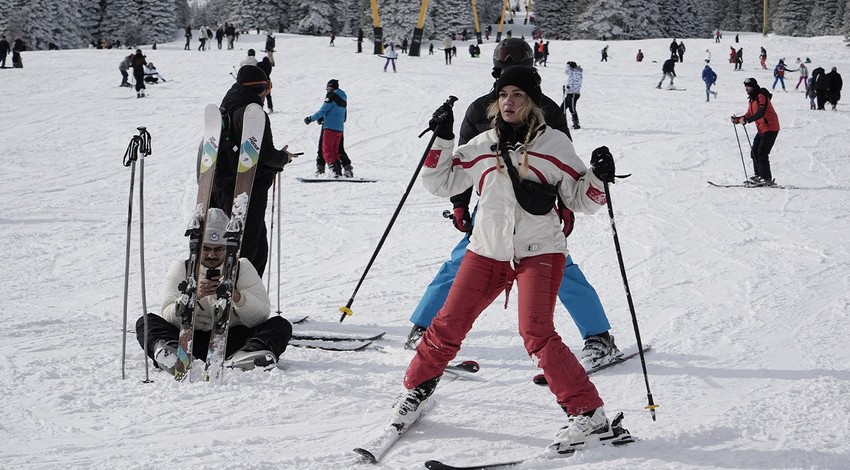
[461, 219]
[568, 219]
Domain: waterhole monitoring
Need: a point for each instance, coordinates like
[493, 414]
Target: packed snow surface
[744, 294]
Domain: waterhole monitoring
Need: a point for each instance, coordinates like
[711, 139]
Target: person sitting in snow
[255, 339]
[151, 74]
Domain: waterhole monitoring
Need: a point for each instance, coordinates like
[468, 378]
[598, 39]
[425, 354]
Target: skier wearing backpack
[575, 292]
[761, 112]
[252, 85]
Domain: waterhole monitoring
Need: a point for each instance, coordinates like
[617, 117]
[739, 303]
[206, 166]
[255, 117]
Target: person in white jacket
[519, 168]
[572, 90]
[254, 339]
[391, 56]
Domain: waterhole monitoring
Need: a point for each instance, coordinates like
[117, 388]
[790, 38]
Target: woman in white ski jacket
[518, 169]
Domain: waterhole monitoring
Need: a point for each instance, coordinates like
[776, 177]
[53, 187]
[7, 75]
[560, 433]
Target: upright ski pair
[253, 127]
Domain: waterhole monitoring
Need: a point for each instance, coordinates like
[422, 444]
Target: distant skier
[447, 48]
[332, 116]
[668, 70]
[391, 56]
[710, 78]
[834, 83]
[779, 74]
[139, 63]
[739, 59]
[804, 75]
[604, 53]
[761, 112]
[572, 90]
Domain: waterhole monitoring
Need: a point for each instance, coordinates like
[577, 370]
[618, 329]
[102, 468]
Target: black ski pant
[274, 332]
[760, 153]
[140, 79]
[255, 245]
[570, 105]
[343, 157]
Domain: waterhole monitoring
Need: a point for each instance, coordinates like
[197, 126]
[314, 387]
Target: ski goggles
[513, 55]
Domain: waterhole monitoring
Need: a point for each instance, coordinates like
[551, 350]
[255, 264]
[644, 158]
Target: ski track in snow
[743, 293]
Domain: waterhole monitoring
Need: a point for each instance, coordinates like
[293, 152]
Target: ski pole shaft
[279, 225]
[271, 234]
[346, 310]
[738, 138]
[651, 406]
[746, 133]
[130, 157]
[145, 149]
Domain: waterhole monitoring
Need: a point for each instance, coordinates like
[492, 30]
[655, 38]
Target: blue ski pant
[578, 296]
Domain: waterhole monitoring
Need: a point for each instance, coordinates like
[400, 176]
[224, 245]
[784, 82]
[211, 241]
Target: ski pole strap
[138, 142]
[132, 152]
[145, 144]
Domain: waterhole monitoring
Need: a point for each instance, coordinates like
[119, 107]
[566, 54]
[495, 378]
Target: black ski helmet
[512, 51]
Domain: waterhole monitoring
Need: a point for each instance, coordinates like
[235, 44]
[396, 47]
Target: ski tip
[366, 455]
[471, 366]
[434, 464]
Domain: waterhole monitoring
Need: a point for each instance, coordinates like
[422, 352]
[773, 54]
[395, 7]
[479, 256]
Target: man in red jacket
[761, 112]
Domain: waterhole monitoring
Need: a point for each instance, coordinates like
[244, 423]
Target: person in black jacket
[576, 293]
[821, 86]
[266, 66]
[669, 71]
[270, 43]
[834, 84]
[252, 86]
[4, 50]
[139, 63]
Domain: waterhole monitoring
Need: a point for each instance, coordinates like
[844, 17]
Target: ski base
[335, 180]
[540, 379]
[376, 449]
[336, 338]
[620, 437]
[745, 185]
[332, 346]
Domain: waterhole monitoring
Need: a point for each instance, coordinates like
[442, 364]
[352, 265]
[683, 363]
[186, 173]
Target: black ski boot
[336, 168]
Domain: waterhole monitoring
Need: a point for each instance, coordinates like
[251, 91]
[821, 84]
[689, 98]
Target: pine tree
[791, 17]
[825, 18]
[157, 19]
[449, 17]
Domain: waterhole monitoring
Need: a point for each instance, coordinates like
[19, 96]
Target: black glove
[307, 120]
[442, 122]
[320, 121]
[603, 164]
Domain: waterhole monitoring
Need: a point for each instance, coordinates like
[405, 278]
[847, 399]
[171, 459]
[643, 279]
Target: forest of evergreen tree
[77, 23]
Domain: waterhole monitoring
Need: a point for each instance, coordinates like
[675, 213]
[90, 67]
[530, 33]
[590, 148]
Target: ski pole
[346, 310]
[748, 136]
[651, 406]
[131, 155]
[271, 234]
[738, 138]
[279, 225]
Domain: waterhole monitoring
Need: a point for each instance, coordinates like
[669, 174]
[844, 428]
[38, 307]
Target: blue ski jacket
[333, 111]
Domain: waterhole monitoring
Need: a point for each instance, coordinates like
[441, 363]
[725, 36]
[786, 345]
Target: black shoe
[347, 171]
[336, 168]
[414, 336]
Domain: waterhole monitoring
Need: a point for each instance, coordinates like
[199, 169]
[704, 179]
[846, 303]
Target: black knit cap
[751, 82]
[333, 83]
[524, 78]
[252, 76]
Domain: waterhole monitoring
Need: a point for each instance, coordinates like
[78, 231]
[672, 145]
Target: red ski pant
[479, 282]
[330, 145]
